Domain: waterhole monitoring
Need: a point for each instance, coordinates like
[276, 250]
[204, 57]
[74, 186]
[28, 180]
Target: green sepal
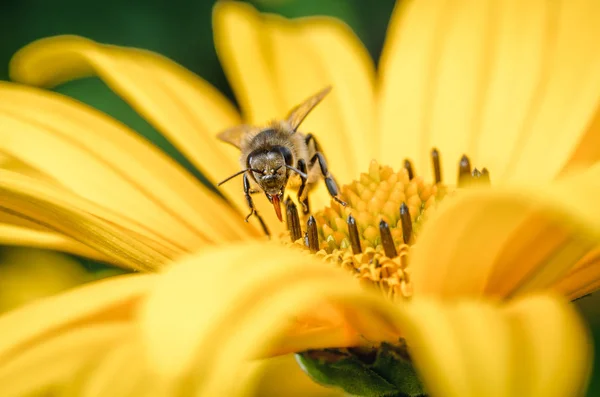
[389, 373]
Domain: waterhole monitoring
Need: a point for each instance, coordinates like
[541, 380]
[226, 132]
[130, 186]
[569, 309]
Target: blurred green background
[181, 30]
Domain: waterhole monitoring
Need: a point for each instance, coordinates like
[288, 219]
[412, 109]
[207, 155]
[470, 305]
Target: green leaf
[396, 367]
[347, 373]
[383, 372]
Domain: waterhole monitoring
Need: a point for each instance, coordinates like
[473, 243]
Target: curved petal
[274, 64]
[105, 301]
[500, 81]
[243, 48]
[183, 107]
[567, 100]
[255, 293]
[450, 344]
[31, 373]
[559, 361]
[70, 141]
[503, 242]
[449, 340]
[588, 151]
[55, 209]
[246, 312]
[17, 231]
[114, 375]
[27, 237]
[583, 279]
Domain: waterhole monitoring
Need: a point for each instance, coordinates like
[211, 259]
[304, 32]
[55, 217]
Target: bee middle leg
[247, 193]
[318, 157]
[304, 201]
[329, 181]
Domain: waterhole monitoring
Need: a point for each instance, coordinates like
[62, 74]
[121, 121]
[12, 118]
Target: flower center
[372, 236]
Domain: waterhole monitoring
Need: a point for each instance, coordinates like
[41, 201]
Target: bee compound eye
[285, 153]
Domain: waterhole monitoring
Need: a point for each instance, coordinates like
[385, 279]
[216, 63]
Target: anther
[476, 173]
[464, 170]
[406, 223]
[313, 235]
[485, 177]
[386, 240]
[437, 168]
[292, 220]
[353, 233]
[409, 169]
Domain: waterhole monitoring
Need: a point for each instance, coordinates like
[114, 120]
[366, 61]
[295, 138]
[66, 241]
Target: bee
[272, 155]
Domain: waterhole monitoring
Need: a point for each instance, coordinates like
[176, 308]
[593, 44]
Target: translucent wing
[299, 113]
[234, 135]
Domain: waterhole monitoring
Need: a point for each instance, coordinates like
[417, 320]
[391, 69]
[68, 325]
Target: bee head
[270, 170]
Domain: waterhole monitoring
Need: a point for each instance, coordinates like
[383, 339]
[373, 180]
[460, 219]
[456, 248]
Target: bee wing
[299, 113]
[234, 135]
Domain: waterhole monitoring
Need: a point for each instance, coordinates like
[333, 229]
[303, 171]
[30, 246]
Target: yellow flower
[142, 211]
[499, 81]
[194, 329]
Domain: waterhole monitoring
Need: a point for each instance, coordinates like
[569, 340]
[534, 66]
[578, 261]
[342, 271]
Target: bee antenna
[239, 173]
[297, 171]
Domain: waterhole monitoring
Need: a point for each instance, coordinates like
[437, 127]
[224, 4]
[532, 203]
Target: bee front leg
[247, 192]
[305, 206]
[329, 181]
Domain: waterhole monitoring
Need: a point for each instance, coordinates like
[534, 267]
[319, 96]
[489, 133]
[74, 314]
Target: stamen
[312, 234]
[464, 171]
[406, 223]
[387, 241]
[372, 236]
[437, 168]
[353, 234]
[485, 177]
[409, 168]
[480, 178]
[292, 219]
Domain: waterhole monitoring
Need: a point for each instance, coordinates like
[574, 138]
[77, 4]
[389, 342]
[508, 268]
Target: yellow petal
[15, 230]
[410, 79]
[499, 81]
[583, 279]
[29, 274]
[23, 236]
[588, 151]
[183, 107]
[552, 344]
[534, 347]
[118, 373]
[104, 301]
[247, 302]
[9, 162]
[82, 221]
[253, 300]
[279, 63]
[451, 347]
[70, 141]
[243, 49]
[251, 294]
[503, 242]
[567, 99]
[43, 367]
